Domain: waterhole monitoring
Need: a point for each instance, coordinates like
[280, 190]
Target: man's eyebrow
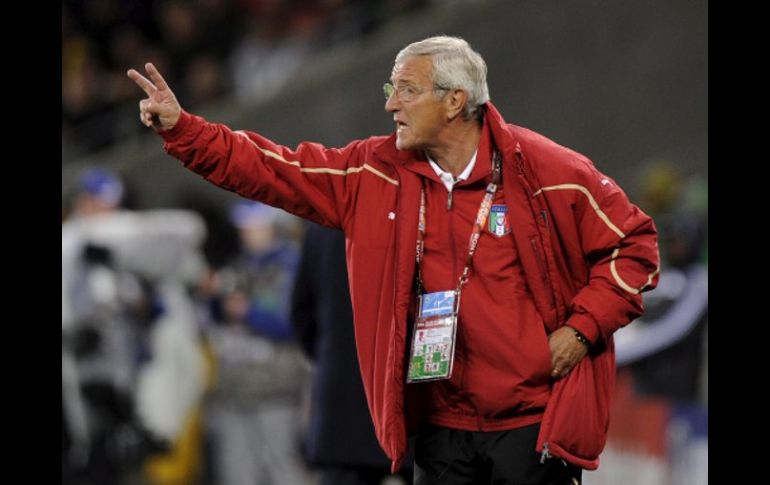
[408, 77]
[403, 81]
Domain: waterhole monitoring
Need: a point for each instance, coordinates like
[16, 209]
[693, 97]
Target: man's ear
[455, 102]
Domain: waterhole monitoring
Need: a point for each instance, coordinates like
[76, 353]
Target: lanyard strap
[481, 219]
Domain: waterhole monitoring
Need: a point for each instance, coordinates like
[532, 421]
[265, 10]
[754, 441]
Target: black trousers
[446, 456]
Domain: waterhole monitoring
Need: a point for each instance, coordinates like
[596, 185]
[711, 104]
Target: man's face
[418, 111]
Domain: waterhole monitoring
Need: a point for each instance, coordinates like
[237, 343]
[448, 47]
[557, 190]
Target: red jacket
[587, 253]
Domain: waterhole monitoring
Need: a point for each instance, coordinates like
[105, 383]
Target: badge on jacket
[498, 220]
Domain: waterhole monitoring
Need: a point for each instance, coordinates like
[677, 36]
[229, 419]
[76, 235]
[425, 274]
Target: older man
[493, 345]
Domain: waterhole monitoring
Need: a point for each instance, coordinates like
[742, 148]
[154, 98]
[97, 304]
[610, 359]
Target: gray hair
[455, 66]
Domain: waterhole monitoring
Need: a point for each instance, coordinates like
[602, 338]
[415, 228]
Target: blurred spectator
[660, 186]
[254, 409]
[659, 427]
[100, 191]
[340, 437]
[666, 348]
[83, 95]
[96, 364]
[132, 370]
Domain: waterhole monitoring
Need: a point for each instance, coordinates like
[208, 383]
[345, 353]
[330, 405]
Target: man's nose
[392, 104]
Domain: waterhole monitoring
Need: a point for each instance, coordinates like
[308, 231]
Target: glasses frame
[404, 96]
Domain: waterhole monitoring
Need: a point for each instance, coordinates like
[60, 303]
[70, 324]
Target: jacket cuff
[584, 324]
[179, 127]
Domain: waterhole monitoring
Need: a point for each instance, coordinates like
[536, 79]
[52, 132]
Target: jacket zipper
[543, 271]
[452, 237]
[455, 277]
[395, 283]
[545, 454]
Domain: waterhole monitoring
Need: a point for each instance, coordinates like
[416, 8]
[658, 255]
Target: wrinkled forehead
[413, 68]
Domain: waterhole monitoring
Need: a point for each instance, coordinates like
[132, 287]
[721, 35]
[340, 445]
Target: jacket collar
[502, 134]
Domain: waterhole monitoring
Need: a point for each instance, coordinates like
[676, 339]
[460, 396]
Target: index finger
[142, 82]
[160, 83]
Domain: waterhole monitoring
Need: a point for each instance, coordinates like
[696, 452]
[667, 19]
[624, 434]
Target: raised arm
[312, 181]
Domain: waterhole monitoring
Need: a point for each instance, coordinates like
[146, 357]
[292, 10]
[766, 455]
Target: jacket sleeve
[311, 181]
[619, 242]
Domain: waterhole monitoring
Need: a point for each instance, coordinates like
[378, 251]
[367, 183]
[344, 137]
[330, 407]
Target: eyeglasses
[406, 93]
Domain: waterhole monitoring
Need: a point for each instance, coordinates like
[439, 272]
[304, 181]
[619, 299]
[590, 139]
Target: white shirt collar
[447, 178]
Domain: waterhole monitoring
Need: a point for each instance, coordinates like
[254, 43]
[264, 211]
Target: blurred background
[180, 357]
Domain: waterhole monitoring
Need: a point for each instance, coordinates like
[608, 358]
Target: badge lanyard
[432, 350]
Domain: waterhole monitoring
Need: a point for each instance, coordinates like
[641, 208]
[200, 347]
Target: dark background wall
[623, 82]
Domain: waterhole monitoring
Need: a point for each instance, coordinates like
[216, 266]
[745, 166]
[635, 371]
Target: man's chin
[402, 144]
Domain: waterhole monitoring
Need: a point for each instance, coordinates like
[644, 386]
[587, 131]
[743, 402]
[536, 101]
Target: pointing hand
[160, 110]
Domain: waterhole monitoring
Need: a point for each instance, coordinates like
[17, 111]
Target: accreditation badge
[433, 342]
[498, 223]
